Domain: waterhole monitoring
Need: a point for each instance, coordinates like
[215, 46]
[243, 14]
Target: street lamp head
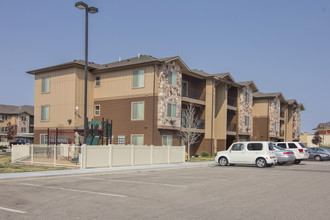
[93, 10]
[81, 5]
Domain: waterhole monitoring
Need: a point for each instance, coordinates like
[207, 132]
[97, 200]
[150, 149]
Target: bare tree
[10, 131]
[189, 126]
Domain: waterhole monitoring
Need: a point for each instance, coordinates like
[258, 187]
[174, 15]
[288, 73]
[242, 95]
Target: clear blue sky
[283, 45]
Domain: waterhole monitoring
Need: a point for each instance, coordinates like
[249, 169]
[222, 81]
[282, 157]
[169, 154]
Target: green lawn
[7, 167]
[201, 159]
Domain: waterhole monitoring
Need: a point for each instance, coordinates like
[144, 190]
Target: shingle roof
[249, 83]
[320, 126]
[266, 95]
[130, 61]
[201, 72]
[15, 110]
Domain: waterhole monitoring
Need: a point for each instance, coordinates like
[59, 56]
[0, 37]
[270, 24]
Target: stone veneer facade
[23, 124]
[274, 116]
[245, 109]
[296, 124]
[169, 94]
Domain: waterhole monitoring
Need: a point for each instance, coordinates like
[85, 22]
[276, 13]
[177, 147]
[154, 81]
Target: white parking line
[73, 190]
[135, 182]
[13, 210]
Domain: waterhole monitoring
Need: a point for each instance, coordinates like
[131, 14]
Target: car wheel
[297, 161]
[223, 161]
[261, 162]
[317, 158]
[280, 163]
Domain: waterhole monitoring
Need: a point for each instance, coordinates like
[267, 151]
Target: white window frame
[44, 80]
[42, 111]
[23, 129]
[23, 117]
[171, 81]
[276, 105]
[137, 114]
[95, 110]
[138, 136]
[170, 110]
[138, 79]
[4, 117]
[167, 139]
[247, 120]
[247, 96]
[43, 138]
[120, 139]
[98, 81]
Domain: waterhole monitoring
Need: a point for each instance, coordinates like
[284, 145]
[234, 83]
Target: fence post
[152, 155]
[54, 155]
[32, 154]
[132, 153]
[184, 153]
[84, 156]
[110, 155]
[168, 154]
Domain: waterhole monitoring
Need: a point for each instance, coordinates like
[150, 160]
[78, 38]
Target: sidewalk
[99, 170]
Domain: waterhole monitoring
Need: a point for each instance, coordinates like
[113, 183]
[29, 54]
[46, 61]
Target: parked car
[283, 155]
[20, 141]
[299, 149]
[319, 153]
[251, 152]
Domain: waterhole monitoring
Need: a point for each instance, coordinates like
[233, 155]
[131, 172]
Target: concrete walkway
[99, 170]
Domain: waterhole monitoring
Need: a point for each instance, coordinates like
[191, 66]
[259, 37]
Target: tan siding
[116, 84]
[260, 108]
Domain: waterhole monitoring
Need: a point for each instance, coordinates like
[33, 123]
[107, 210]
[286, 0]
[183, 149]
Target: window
[23, 118]
[271, 146]
[45, 113]
[121, 139]
[237, 147]
[4, 129]
[247, 96]
[247, 120]
[172, 79]
[137, 110]
[171, 110]
[97, 81]
[254, 146]
[137, 139]
[277, 127]
[292, 145]
[167, 140]
[277, 105]
[138, 79]
[43, 138]
[4, 117]
[45, 85]
[184, 89]
[282, 145]
[23, 130]
[183, 118]
[97, 110]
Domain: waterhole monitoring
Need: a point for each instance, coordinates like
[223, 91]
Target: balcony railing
[231, 127]
[194, 94]
[200, 124]
[231, 101]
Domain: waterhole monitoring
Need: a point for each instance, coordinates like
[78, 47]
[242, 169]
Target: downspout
[268, 120]
[212, 144]
[153, 108]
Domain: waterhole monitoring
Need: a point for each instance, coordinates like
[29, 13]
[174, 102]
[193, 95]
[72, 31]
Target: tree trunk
[188, 145]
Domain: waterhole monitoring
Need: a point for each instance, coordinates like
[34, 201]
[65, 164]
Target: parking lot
[232, 192]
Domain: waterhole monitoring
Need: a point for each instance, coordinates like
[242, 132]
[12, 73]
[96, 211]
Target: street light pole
[81, 5]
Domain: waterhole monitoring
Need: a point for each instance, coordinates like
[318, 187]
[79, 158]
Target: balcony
[200, 126]
[231, 129]
[193, 96]
[281, 133]
[231, 101]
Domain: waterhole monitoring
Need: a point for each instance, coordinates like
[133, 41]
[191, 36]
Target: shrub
[205, 154]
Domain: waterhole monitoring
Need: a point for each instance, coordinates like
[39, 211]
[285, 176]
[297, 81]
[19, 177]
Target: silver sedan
[284, 156]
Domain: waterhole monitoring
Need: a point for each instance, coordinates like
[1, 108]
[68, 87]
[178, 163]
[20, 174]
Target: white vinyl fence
[97, 156]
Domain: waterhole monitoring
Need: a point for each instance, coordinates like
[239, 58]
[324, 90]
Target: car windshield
[278, 148]
[327, 149]
[302, 145]
[270, 146]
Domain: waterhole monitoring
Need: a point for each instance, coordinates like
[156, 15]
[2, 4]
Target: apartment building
[21, 119]
[146, 98]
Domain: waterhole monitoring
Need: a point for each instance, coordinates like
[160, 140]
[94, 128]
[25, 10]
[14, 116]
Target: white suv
[299, 149]
[250, 152]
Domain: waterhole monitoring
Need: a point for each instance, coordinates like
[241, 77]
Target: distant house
[323, 128]
[21, 119]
